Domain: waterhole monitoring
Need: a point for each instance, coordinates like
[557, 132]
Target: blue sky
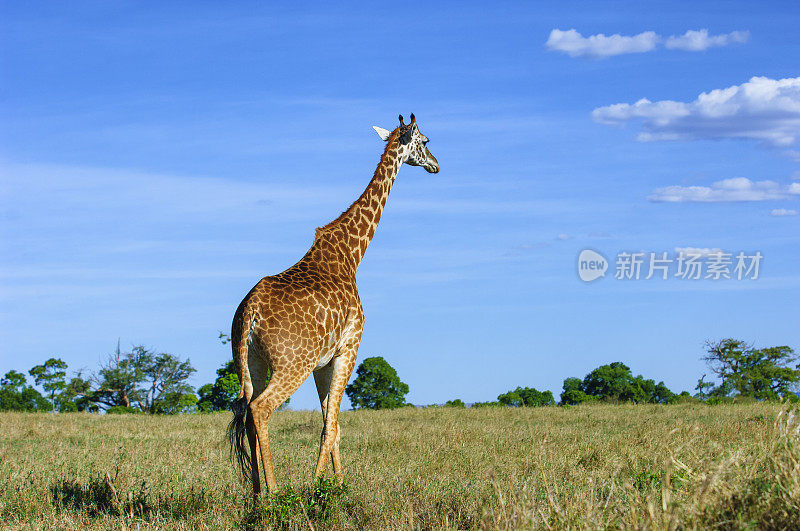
[156, 160]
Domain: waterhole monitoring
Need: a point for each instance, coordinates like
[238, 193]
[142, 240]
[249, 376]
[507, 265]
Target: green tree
[703, 387]
[662, 394]
[533, 398]
[455, 403]
[164, 385]
[77, 395]
[573, 393]
[175, 402]
[16, 395]
[151, 382]
[612, 382]
[220, 395]
[615, 382]
[510, 398]
[117, 379]
[767, 373]
[377, 386]
[526, 397]
[51, 375]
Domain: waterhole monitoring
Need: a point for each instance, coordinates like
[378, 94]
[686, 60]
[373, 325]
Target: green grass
[692, 465]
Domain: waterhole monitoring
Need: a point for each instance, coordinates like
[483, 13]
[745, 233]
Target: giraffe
[309, 319]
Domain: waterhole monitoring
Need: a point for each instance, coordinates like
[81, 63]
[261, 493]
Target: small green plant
[326, 497]
[292, 507]
[647, 479]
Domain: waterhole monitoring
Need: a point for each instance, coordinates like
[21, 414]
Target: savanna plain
[729, 466]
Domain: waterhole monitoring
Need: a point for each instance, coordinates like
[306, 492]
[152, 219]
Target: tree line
[144, 381]
[138, 381]
[744, 372]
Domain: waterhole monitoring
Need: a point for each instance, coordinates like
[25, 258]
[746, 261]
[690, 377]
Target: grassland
[731, 466]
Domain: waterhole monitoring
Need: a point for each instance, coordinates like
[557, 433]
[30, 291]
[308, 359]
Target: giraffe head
[413, 145]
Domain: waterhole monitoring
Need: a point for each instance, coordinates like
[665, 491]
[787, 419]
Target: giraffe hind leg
[262, 407]
[335, 459]
[322, 378]
[342, 368]
[258, 370]
[255, 475]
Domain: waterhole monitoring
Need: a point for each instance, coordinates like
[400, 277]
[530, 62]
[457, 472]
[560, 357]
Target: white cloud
[697, 41]
[563, 237]
[576, 45]
[726, 190]
[783, 212]
[701, 251]
[761, 109]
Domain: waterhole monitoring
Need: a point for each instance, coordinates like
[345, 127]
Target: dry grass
[729, 466]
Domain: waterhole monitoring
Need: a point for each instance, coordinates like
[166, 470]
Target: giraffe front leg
[342, 367]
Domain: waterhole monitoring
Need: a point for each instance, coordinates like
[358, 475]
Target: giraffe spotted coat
[309, 320]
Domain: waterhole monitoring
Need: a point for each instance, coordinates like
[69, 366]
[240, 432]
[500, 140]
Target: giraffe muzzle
[431, 165]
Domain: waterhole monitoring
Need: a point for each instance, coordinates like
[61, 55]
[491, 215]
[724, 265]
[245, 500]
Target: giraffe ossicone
[309, 320]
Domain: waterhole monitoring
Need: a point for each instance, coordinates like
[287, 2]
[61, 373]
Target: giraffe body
[309, 320]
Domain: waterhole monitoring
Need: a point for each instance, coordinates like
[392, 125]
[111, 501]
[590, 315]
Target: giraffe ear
[383, 133]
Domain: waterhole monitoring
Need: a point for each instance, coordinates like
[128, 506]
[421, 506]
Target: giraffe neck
[351, 233]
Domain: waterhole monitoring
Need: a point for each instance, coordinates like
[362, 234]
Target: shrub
[486, 404]
[527, 397]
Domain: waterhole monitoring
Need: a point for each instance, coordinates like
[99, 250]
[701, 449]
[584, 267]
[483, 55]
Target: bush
[575, 397]
[486, 404]
[686, 398]
[527, 397]
[16, 395]
[615, 383]
[738, 399]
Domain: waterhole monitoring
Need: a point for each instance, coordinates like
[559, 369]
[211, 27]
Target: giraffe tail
[237, 429]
